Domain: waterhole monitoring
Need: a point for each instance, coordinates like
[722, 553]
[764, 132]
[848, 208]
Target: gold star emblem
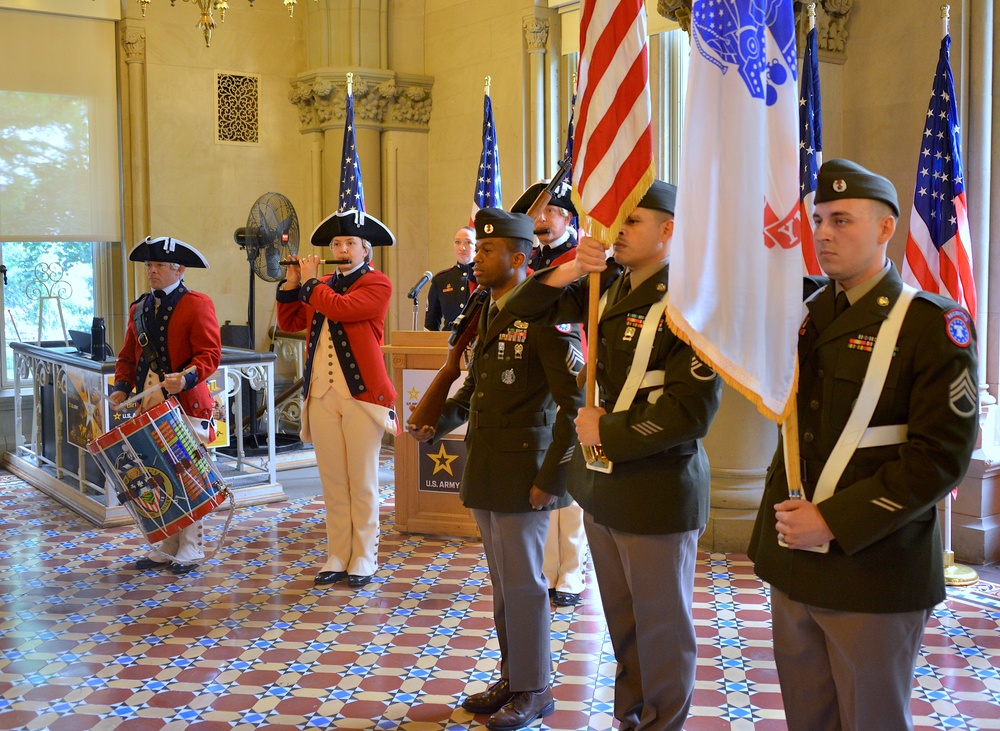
[442, 461]
[413, 393]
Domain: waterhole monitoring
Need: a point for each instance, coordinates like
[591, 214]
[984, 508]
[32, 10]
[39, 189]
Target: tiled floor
[248, 643]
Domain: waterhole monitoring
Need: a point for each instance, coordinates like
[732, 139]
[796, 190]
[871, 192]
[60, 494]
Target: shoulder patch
[564, 327]
[958, 326]
[701, 370]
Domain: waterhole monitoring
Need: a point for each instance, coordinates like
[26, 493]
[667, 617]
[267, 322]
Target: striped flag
[939, 246]
[614, 155]
[810, 146]
[488, 193]
[735, 264]
[352, 191]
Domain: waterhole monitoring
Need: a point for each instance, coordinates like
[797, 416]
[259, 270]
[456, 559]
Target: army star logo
[442, 461]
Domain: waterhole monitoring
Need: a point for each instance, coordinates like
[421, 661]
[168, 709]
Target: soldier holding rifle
[644, 516]
[519, 398]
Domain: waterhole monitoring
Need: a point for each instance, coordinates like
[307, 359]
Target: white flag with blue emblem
[736, 262]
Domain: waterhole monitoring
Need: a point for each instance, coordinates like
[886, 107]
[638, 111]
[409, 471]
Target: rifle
[427, 412]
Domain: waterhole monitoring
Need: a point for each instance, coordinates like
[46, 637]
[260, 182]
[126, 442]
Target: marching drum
[162, 474]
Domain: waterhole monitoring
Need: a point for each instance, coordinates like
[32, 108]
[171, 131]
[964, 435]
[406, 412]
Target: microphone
[420, 285]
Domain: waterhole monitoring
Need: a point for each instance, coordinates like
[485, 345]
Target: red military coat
[191, 337]
[361, 312]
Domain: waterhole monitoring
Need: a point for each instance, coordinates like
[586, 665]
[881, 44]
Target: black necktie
[159, 294]
[840, 304]
[490, 314]
[625, 287]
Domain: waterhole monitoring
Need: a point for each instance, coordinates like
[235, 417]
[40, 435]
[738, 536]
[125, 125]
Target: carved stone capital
[536, 33]
[134, 43]
[832, 18]
[382, 99]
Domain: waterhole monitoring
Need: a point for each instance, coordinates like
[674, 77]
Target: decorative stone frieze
[134, 43]
[832, 18]
[382, 99]
[536, 33]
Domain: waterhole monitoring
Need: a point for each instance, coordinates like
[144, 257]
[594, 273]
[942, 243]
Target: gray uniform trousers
[859, 666]
[515, 547]
[647, 589]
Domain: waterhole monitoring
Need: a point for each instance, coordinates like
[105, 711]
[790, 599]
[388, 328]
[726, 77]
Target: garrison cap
[170, 250]
[660, 197]
[497, 223]
[563, 200]
[352, 223]
[840, 179]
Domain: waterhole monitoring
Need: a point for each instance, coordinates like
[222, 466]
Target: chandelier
[207, 22]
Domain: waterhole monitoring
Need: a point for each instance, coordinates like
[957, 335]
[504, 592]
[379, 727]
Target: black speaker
[235, 336]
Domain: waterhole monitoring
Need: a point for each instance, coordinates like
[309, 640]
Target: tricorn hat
[167, 249]
[352, 223]
[522, 204]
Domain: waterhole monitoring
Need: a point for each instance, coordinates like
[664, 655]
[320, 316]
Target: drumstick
[152, 389]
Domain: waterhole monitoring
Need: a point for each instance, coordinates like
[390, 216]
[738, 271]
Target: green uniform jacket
[887, 554]
[517, 436]
[660, 479]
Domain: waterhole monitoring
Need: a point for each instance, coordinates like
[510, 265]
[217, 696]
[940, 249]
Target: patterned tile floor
[248, 643]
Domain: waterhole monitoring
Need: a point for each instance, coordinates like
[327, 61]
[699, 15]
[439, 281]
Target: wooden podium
[428, 502]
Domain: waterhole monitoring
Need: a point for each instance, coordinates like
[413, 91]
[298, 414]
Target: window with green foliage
[60, 207]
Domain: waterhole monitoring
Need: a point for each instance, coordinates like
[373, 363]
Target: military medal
[629, 334]
[500, 348]
[507, 376]
[518, 351]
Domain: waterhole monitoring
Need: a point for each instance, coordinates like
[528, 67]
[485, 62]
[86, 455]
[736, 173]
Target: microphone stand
[416, 310]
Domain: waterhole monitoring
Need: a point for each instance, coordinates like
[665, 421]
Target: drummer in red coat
[170, 330]
[349, 398]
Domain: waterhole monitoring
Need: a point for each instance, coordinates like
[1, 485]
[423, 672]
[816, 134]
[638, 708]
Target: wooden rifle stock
[428, 410]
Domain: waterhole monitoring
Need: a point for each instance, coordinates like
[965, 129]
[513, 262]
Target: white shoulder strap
[864, 407]
[643, 349]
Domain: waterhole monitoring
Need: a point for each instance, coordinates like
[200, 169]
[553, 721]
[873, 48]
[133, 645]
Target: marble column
[536, 34]
[740, 445]
[137, 222]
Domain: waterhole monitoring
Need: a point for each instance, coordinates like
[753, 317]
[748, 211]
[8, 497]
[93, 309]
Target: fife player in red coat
[349, 398]
[182, 331]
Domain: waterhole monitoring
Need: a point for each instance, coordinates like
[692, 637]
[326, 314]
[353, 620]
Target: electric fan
[270, 237]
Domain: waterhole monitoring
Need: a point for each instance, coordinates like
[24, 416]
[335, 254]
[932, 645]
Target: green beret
[660, 197]
[497, 223]
[840, 179]
[522, 204]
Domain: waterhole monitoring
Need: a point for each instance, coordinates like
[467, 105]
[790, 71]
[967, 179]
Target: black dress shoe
[523, 708]
[148, 564]
[356, 582]
[329, 577]
[490, 700]
[567, 599]
[182, 568]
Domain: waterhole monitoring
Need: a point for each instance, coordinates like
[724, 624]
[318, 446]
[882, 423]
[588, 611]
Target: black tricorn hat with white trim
[352, 223]
[168, 249]
[522, 204]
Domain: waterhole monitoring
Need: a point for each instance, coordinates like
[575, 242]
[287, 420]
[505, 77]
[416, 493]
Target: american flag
[613, 168]
[352, 191]
[488, 194]
[938, 246]
[810, 146]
